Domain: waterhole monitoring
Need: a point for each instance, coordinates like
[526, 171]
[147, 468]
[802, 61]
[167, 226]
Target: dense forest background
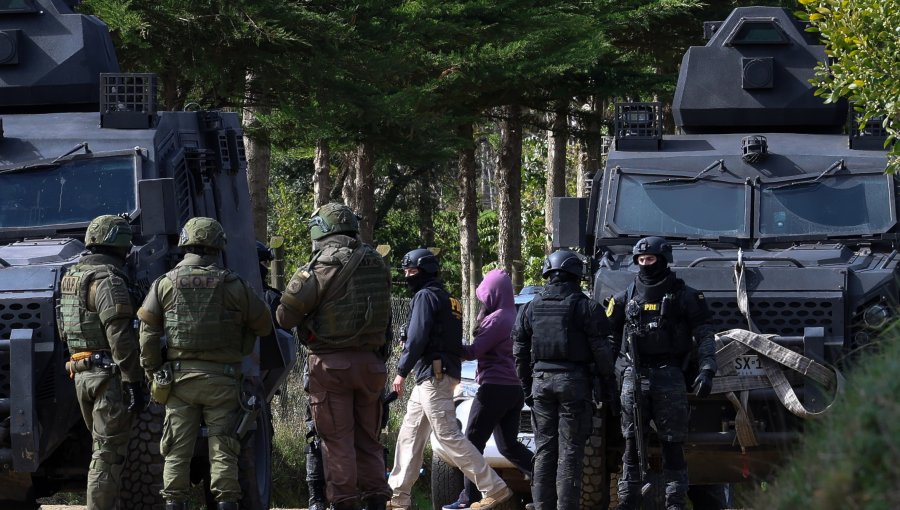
[445, 124]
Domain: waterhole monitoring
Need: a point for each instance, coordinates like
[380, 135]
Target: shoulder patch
[69, 284]
[297, 281]
[611, 307]
[119, 289]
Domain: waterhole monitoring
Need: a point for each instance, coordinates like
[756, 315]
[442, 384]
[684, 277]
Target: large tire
[595, 480]
[446, 483]
[258, 464]
[142, 477]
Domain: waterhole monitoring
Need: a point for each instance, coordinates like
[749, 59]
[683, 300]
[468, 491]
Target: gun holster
[161, 385]
[247, 419]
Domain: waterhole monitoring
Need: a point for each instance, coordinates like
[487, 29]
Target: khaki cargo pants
[212, 398]
[430, 408]
[102, 403]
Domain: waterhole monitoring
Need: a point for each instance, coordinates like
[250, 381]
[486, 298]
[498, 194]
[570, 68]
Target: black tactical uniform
[560, 338]
[667, 320]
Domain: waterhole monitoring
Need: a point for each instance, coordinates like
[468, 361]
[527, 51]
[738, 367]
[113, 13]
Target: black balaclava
[654, 281]
[419, 280]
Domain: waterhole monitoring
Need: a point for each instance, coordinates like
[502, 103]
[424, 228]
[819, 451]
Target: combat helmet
[421, 259]
[652, 246]
[565, 261]
[205, 232]
[108, 230]
[333, 218]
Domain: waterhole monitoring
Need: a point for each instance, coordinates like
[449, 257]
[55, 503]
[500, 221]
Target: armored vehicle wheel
[446, 483]
[596, 482]
[142, 478]
[256, 465]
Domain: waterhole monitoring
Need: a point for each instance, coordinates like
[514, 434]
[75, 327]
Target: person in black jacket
[560, 345]
[667, 321]
[432, 352]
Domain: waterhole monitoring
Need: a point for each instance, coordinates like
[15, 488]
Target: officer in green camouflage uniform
[211, 318]
[340, 304]
[96, 322]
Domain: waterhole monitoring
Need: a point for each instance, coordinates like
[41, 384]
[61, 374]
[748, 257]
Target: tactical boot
[228, 505]
[347, 505]
[176, 505]
[317, 504]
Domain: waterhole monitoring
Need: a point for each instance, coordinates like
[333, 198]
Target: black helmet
[421, 259]
[563, 260]
[652, 246]
[263, 253]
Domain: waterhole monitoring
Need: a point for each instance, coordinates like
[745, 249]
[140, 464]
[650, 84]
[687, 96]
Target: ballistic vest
[82, 328]
[358, 316]
[446, 330]
[200, 321]
[659, 327]
[555, 336]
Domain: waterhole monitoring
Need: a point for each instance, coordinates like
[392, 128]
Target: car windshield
[700, 208]
[845, 204]
[74, 191]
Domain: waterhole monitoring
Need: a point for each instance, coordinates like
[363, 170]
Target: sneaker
[529, 506]
[493, 500]
[456, 505]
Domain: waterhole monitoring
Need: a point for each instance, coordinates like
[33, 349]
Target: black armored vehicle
[79, 139]
[779, 211]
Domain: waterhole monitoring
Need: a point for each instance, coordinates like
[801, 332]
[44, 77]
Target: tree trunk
[556, 171]
[348, 183]
[364, 195]
[593, 138]
[426, 205]
[322, 179]
[258, 150]
[509, 194]
[469, 250]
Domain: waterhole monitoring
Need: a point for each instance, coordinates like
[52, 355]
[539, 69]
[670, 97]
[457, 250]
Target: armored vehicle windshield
[74, 191]
[839, 205]
[679, 206]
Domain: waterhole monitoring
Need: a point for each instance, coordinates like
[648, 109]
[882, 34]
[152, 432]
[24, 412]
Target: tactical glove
[137, 401]
[703, 383]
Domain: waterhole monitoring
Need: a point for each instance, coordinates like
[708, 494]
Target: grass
[849, 459]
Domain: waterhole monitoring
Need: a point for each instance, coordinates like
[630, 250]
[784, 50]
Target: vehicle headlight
[876, 316]
[465, 389]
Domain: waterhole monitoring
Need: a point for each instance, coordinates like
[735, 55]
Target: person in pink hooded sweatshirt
[498, 402]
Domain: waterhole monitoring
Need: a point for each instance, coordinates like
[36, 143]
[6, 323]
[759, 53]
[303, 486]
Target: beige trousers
[431, 408]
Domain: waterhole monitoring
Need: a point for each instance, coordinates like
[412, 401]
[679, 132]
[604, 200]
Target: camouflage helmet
[330, 219]
[108, 230]
[205, 232]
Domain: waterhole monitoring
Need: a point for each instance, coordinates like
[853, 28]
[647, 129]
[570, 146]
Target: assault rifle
[638, 412]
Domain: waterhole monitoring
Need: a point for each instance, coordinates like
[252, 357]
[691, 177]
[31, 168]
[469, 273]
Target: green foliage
[291, 204]
[849, 460]
[863, 47]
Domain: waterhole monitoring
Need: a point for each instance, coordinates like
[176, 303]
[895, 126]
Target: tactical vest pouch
[199, 320]
[161, 386]
[82, 329]
[356, 305]
[551, 321]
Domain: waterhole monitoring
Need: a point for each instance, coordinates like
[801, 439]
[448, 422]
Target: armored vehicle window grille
[128, 92]
[17, 315]
[785, 317]
[639, 120]
[874, 127]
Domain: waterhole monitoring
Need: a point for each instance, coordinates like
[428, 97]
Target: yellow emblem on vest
[610, 307]
[456, 308]
[650, 307]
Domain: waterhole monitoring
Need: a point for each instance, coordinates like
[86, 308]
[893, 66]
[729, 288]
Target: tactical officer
[662, 321]
[432, 350]
[340, 304]
[211, 318]
[559, 345]
[96, 322]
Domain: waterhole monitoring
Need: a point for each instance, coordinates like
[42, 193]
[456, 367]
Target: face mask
[416, 281]
[654, 270]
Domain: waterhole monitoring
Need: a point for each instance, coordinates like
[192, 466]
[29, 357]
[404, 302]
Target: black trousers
[496, 410]
[563, 417]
